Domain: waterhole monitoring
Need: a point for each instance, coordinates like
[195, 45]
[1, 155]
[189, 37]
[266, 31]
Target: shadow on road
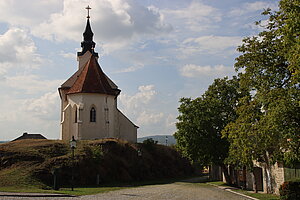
[200, 179]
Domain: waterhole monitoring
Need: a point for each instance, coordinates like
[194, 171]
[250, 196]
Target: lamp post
[166, 140]
[139, 153]
[73, 146]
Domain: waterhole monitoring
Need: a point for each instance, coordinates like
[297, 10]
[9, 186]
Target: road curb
[230, 190]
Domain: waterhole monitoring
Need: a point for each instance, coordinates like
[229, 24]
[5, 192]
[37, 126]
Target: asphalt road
[173, 191]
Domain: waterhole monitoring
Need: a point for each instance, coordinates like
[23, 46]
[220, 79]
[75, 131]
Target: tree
[201, 121]
[268, 124]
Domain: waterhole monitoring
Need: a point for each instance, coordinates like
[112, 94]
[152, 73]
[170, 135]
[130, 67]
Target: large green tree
[201, 121]
[268, 125]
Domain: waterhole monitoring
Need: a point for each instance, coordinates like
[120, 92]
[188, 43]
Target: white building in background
[89, 100]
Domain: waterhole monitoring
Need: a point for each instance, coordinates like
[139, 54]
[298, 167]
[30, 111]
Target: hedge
[290, 190]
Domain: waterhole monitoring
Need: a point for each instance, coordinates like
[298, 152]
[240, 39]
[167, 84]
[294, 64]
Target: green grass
[19, 176]
[68, 191]
[87, 190]
[218, 183]
[262, 196]
[78, 191]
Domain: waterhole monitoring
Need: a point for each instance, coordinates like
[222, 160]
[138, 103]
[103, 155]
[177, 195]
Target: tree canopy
[255, 116]
[268, 126]
[201, 121]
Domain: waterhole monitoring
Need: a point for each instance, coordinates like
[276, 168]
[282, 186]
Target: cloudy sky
[156, 51]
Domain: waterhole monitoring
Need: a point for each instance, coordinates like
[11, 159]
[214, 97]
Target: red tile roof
[90, 79]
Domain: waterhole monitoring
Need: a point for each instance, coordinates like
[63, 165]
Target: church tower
[89, 100]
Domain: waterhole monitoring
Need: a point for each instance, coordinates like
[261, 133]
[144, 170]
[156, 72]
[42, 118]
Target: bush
[290, 190]
[149, 141]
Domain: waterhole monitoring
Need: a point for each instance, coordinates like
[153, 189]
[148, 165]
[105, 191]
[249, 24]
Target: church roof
[30, 136]
[90, 79]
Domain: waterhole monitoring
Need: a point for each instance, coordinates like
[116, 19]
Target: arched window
[93, 115]
[75, 119]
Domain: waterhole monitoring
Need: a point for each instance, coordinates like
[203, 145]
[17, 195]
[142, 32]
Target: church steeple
[88, 44]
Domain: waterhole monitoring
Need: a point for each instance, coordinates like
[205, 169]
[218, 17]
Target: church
[89, 100]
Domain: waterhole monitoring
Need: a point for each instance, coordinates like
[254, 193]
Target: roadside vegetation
[254, 116]
[261, 196]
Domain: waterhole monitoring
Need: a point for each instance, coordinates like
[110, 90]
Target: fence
[291, 173]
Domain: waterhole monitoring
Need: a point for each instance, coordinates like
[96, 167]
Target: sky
[156, 51]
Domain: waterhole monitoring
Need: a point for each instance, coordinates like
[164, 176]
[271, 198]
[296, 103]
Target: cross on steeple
[88, 44]
[88, 9]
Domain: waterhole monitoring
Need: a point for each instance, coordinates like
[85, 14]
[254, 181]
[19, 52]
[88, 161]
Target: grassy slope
[28, 164]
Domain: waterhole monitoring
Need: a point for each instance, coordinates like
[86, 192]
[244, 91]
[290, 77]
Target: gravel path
[174, 191]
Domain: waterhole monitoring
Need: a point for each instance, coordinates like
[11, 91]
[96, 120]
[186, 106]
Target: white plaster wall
[118, 126]
[65, 124]
[66, 116]
[127, 130]
[104, 126]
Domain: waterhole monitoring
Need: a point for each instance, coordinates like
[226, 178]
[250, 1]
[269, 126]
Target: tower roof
[88, 44]
[88, 33]
[90, 79]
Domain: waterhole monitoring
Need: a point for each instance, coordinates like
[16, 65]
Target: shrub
[149, 141]
[290, 190]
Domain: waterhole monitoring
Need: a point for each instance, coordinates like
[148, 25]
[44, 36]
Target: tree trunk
[268, 174]
[226, 174]
[254, 182]
[268, 179]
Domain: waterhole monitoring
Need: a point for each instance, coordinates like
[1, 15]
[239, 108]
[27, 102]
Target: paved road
[174, 191]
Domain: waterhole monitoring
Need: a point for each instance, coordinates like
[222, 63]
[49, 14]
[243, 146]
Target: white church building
[89, 100]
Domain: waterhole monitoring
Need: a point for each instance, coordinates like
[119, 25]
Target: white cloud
[148, 118]
[247, 8]
[116, 22]
[131, 68]
[193, 71]
[210, 45]
[142, 109]
[46, 107]
[196, 16]
[33, 115]
[68, 55]
[171, 120]
[17, 47]
[27, 12]
[29, 84]
[145, 94]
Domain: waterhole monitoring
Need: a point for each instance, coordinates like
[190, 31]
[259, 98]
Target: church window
[75, 119]
[93, 115]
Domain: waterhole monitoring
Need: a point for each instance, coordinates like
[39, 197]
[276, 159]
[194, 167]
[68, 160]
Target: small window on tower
[93, 115]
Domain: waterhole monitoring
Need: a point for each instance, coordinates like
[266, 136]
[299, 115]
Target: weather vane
[88, 9]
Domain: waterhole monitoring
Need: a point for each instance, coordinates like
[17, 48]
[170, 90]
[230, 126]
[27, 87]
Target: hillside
[32, 162]
[161, 139]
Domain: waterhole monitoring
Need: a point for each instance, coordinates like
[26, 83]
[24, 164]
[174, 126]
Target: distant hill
[161, 139]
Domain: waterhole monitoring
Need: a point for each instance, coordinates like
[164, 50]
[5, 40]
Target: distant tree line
[255, 116]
